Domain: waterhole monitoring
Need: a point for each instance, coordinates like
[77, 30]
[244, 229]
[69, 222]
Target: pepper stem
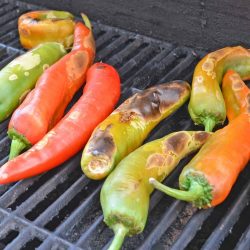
[86, 21]
[17, 146]
[120, 233]
[194, 193]
[209, 124]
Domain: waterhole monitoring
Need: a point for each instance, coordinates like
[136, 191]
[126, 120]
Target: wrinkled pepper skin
[126, 192]
[206, 104]
[46, 104]
[41, 26]
[128, 126]
[208, 178]
[20, 76]
[100, 95]
[237, 95]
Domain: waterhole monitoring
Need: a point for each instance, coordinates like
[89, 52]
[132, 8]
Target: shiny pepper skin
[41, 26]
[19, 77]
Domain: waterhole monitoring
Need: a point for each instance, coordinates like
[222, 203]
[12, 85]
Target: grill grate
[61, 210]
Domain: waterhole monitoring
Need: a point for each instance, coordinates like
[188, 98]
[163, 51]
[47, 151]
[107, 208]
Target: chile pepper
[100, 95]
[41, 26]
[208, 178]
[125, 193]
[206, 104]
[236, 93]
[128, 126]
[20, 75]
[45, 105]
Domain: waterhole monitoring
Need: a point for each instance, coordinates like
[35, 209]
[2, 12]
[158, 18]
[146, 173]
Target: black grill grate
[61, 210]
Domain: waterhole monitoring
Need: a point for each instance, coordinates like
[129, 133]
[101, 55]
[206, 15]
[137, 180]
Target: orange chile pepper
[45, 105]
[208, 178]
[41, 26]
[236, 95]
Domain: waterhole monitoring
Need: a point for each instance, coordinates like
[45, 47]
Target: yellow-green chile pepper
[126, 192]
[128, 126]
[20, 75]
[206, 104]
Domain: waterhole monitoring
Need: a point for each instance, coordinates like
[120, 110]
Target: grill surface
[61, 210]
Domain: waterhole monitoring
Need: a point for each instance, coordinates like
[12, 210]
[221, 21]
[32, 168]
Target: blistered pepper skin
[44, 106]
[207, 106]
[126, 192]
[20, 76]
[220, 161]
[209, 177]
[128, 126]
[237, 95]
[41, 26]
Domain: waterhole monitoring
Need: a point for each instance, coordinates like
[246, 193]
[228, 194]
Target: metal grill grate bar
[227, 222]
[191, 229]
[63, 200]
[244, 241]
[169, 216]
[79, 212]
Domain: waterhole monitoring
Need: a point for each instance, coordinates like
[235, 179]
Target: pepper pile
[45, 105]
[113, 141]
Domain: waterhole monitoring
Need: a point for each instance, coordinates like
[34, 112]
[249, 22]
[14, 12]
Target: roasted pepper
[20, 75]
[100, 95]
[126, 192]
[206, 104]
[41, 26]
[208, 178]
[237, 97]
[128, 126]
[45, 105]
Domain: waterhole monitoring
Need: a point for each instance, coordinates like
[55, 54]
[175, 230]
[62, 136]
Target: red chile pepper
[45, 105]
[100, 95]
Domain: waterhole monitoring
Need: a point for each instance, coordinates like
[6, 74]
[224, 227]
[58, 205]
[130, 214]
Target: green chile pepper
[20, 76]
[206, 104]
[128, 126]
[126, 192]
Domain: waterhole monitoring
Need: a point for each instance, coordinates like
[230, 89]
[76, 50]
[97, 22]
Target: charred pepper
[208, 178]
[206, 104]
[20, 76]
[126, 192]
[236, 95]
[41, 26]
[128, 126]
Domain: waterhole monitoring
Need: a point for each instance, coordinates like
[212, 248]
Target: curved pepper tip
[86, 21]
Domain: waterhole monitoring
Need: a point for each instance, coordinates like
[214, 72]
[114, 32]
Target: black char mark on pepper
[102, 143]
[150, 103]
[176, 143]
[201, 136]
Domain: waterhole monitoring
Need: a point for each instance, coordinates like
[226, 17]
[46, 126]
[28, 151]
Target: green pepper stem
[194, 193]
[86, 21]
[209, 124]
[17, 146]
[120, 233]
